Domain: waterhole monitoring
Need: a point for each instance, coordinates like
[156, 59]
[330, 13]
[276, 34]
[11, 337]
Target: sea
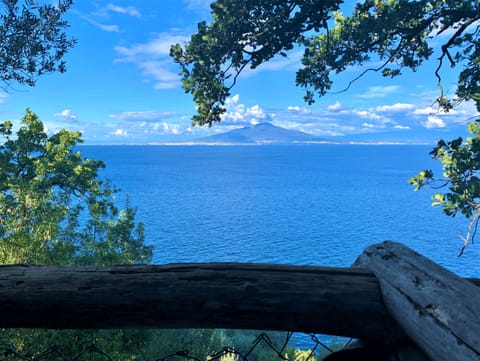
[312, 204]
[319, 204]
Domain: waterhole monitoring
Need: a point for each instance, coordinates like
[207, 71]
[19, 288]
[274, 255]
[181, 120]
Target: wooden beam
[438, 310]
[335, 301]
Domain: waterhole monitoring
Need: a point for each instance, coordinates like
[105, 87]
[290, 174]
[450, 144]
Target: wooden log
[335, 301]
[359, 350]
[437, 309]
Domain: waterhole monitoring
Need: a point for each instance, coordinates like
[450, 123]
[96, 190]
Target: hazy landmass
[268, 134]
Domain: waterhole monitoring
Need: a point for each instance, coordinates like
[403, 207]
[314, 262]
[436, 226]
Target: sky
[121, 87]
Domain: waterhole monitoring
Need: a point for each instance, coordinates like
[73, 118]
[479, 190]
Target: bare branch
[471, 230]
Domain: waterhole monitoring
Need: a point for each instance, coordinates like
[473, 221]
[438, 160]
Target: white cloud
[155, 48]
[232, 100]
[239, 113]
[464, 109]
[127, 10]
[163, 128]
[368, 114]
[338, 120]
[434, 122]
[104, 12]
[335, 107]
[397, 107]
[297, 109]
[163, 78]
[256, 112]
[379, 91]
[108, 28]
[101, 26]
[67, 114]
[121, 133]
[378, 119]
[426, 111]
[461, 114]
[142, 116]
[174, 129]
[153, 59]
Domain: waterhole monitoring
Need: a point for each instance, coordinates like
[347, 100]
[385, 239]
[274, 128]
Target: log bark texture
[437, 309]
[333, 301]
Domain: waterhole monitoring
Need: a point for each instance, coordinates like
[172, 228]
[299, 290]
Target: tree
[54, 209]
[395, 33]
[32, 40]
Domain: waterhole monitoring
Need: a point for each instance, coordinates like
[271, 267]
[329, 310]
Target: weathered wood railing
[394, 293]
[256, 296]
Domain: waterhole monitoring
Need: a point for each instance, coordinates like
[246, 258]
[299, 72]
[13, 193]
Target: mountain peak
[262, 133]
[264, 124]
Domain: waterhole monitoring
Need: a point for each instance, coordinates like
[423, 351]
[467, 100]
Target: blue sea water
[296, 204]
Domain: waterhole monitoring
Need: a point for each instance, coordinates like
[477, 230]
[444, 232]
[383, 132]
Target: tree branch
[471, 235]
[446, 53]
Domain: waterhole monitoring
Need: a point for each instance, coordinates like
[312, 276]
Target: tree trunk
[438, 310]
[333, 301]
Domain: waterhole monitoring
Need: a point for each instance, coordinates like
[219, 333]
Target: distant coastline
[231, 144]
[264, 144]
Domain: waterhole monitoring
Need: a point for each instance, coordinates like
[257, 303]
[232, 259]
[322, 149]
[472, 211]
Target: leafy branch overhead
[396, 32]
[33, 41]
[244, 33]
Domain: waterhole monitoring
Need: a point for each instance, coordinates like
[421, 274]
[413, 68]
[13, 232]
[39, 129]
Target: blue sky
[122, 87]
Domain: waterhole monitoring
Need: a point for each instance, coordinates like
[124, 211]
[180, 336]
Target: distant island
[263, 133]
